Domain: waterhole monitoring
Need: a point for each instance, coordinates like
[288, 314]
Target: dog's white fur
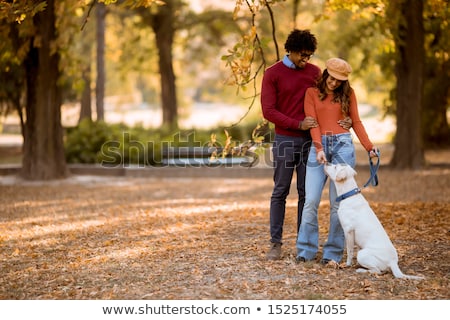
[362, 227]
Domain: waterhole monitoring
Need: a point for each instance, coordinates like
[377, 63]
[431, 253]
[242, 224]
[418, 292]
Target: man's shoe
[300, 259]
[275, 251]
[329, 262]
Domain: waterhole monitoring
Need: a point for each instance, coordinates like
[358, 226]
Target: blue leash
[372, 180]
[373, 171]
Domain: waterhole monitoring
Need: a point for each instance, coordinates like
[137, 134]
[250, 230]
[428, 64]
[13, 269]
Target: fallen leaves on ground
[206, 238]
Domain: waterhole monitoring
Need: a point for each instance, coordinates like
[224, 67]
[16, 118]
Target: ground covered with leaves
[203, 237]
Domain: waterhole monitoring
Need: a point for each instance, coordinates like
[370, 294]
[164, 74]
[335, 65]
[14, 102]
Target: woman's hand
[374, 152]
[321, 157]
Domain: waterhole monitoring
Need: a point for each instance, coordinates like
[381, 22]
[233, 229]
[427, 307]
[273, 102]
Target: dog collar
[348, 194]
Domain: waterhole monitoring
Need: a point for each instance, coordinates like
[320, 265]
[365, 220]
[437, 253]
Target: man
[282, 96]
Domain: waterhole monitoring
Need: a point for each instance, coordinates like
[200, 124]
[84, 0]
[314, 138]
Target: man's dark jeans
[289, 154]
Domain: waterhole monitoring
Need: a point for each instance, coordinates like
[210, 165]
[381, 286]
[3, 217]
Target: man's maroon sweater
[283, 94]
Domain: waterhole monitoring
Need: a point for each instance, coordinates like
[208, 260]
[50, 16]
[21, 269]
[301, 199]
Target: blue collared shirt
[288, 63]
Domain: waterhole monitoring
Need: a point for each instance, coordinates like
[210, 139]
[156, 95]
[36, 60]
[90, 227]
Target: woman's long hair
[341, 94]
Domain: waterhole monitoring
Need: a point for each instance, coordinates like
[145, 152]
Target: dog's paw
[362, 270]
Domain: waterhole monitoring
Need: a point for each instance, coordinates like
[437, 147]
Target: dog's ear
[350, 171]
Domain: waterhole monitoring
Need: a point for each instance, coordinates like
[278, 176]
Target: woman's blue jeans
[338, 149]
[289, 154]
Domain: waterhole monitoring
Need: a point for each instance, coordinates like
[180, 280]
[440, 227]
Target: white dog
[362, 227]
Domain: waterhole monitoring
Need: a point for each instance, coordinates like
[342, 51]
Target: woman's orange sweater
[327, 114]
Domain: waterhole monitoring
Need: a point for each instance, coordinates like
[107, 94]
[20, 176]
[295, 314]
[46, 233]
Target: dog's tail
[399, 274]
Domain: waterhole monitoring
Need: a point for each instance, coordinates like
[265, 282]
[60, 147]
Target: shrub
[83, 142]
[117, 144]
[110, 145]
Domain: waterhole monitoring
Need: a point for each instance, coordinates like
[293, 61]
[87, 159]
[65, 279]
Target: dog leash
[372, 180]
[373, 170]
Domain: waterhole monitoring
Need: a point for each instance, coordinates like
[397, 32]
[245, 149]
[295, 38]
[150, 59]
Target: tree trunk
[100, 84]
[409, 151]
[43, 146]
[18, 79]
[435, 126]
[86, 106]
[295, 6]
[163, 26]
[436, 130]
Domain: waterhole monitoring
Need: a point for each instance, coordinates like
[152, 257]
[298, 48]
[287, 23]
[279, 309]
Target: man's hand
[308, 123]
[346, 123]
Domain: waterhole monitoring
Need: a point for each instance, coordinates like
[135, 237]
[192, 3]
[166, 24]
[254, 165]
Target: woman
[329, 103]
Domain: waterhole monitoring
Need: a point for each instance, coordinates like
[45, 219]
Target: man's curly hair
[300, 40]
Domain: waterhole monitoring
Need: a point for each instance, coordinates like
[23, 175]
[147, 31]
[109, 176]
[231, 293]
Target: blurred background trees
[392, 46]
[169, 53]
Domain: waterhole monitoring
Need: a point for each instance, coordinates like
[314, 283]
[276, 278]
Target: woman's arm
[310, 111]
[357, 124]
